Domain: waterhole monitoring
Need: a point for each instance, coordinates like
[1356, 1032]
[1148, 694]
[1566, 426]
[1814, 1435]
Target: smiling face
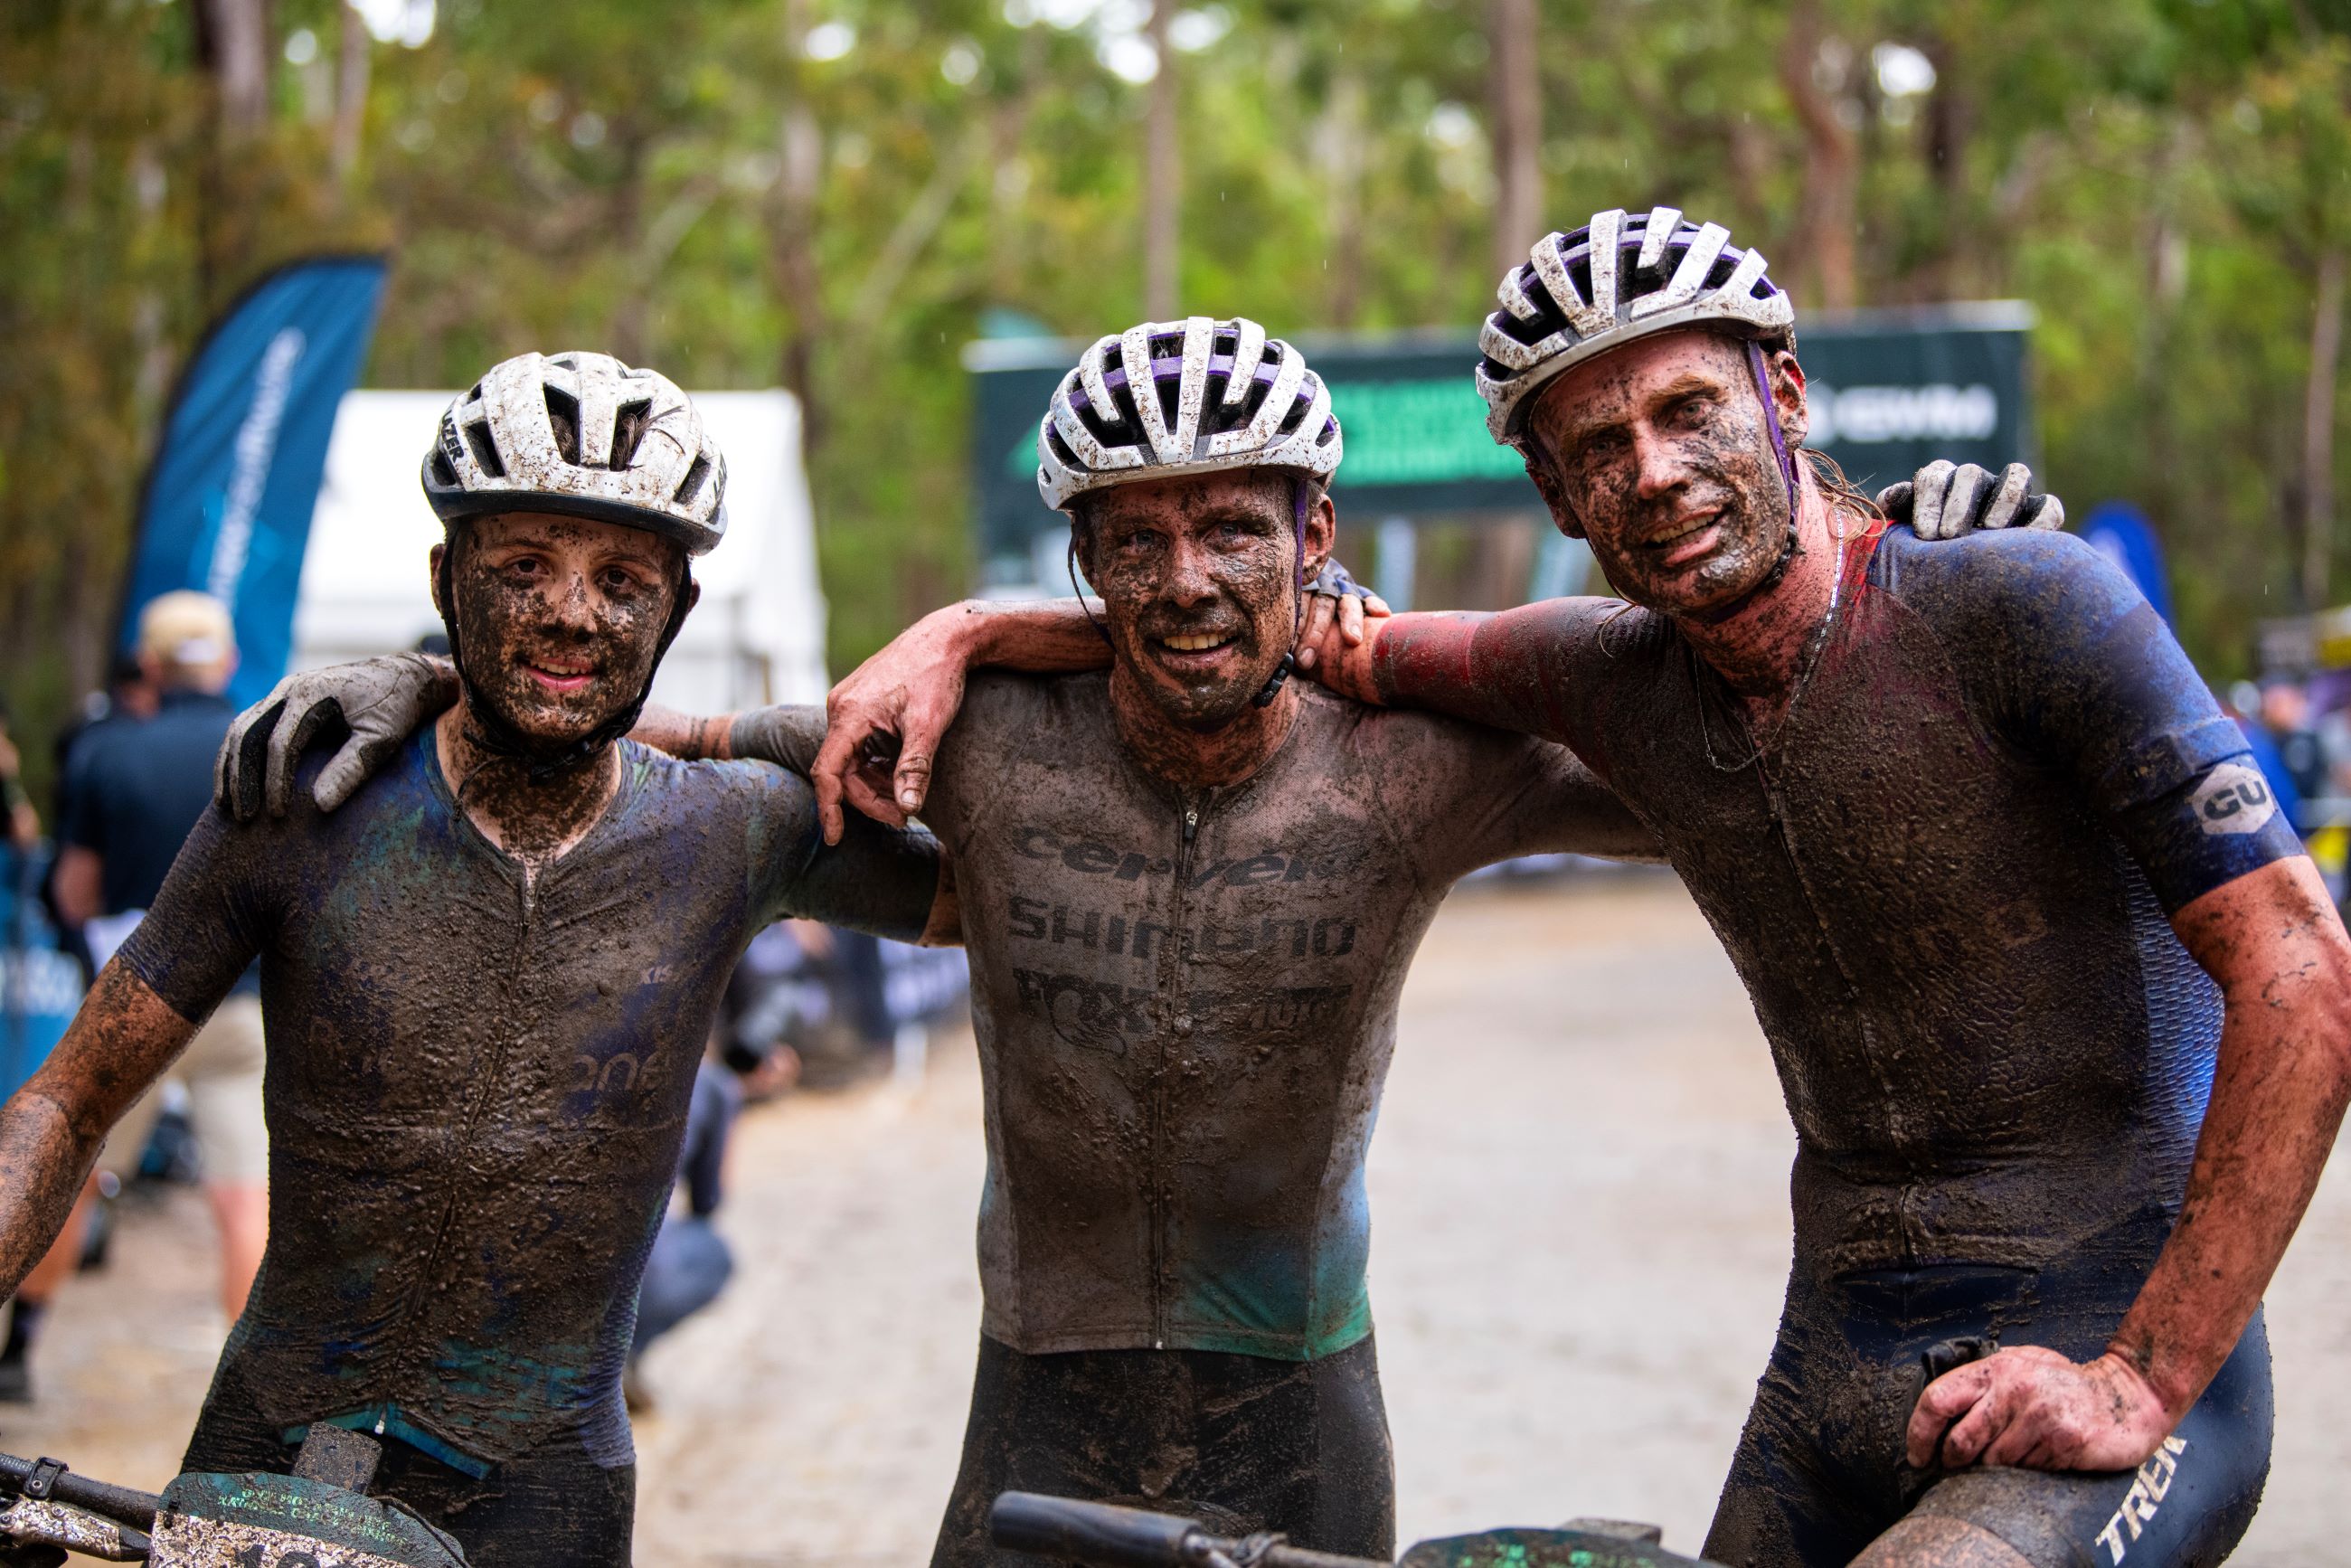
[558, 620]
[1198, 577]
[1659, 453]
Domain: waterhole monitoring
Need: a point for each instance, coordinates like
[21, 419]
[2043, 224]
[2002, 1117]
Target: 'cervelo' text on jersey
[1186, 1003]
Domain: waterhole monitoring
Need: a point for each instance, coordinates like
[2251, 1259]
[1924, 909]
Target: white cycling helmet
[585, 435]
[1615, 279]
[1223, 395]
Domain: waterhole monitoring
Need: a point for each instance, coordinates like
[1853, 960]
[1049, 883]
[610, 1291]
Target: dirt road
[1580, 1192]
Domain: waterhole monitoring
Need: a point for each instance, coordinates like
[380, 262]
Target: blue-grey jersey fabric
[477, 1088]
[1944, 883]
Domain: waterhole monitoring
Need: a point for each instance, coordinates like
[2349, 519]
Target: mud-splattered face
[1198, 579]
[558, 620]
[1659, 453]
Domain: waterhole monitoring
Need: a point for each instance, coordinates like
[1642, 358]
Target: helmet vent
[1296, 414]
[564, 414]
[443, 472]
[628, 425]
[485, 450]
[691, 486]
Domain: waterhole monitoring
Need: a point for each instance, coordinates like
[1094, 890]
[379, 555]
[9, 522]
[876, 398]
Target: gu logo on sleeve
[2233, 799]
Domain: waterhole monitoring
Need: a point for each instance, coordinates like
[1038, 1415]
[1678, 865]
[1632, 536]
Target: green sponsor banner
[1888, 391]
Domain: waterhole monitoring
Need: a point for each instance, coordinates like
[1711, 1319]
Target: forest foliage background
[835, 195]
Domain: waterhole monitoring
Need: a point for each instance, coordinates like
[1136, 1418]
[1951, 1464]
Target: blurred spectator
[40, 988]
[21, 824]
[2245, 706]
[2285, 713]
[132, 792]
[129, 694]
[690, 1263]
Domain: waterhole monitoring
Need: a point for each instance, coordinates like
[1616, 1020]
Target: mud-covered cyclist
[1190, 891]
[2059, 1007]
[488, 979]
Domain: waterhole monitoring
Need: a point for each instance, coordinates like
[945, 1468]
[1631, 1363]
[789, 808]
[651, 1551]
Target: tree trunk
[233, 37]
[2318, 430]
[1340, 140]
[1162, 178]
[1950, 124]
[233, 46]
[350, 94]
[1515, 83]
[1008, 182]
[1825, 216]
[791, 251]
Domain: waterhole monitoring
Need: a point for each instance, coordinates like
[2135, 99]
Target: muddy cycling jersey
[1945, 882]
[1186, 1003]
[477, 1083]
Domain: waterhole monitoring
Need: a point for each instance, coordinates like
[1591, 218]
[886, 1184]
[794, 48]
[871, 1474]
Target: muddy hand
[901, 699]
[1946, 500]
[1335, 602]
[2028, 1405]
[380, 701]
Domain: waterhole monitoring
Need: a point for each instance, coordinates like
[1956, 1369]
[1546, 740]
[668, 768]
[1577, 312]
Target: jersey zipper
[489, 1078]
[1886, 1097]
[1172, 957]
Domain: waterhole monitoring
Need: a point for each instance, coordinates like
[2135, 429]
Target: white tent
[757, 636]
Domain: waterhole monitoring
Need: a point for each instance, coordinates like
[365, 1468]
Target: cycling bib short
[477, 1084]
[1809, 1483]
[1237, 1442]
[1946, 885]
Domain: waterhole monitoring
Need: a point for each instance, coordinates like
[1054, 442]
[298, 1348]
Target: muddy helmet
[1615, 279]
[1222, 394]
[585, 435]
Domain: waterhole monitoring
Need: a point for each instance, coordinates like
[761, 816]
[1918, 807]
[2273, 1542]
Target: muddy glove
[1946, 500]
[1334, 601]
[379, 701]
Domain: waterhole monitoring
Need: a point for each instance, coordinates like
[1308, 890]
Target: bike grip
[120, 1504]
[1097, 1532]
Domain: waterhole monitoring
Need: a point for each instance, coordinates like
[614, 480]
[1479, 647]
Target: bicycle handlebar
[120, 1504]
[1101, 1532]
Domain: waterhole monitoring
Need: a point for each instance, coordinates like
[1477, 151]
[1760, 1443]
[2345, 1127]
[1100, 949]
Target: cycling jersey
[1241, 1443]
[1186, 1003]
[1944, 882]
[478, 1082]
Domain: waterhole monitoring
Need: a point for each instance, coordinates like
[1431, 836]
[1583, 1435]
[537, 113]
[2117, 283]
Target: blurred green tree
[829, 195]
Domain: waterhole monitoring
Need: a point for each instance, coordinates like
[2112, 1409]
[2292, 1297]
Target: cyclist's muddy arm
[51, 1129]
[2077, 672]
[1533, 669]
[903, 698]
[2274, 942]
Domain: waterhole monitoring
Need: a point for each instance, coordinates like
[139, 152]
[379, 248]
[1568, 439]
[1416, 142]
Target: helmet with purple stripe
[1214, 396]
[1616, 281]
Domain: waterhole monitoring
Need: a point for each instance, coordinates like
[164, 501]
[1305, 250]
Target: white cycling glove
[1946, 500]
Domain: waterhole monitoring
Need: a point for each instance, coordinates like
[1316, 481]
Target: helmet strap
[1078, 589]
[1771, 422]
[491, 732]
[1281, 670]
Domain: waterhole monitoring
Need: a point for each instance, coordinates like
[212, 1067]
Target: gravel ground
[1580, 1189]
